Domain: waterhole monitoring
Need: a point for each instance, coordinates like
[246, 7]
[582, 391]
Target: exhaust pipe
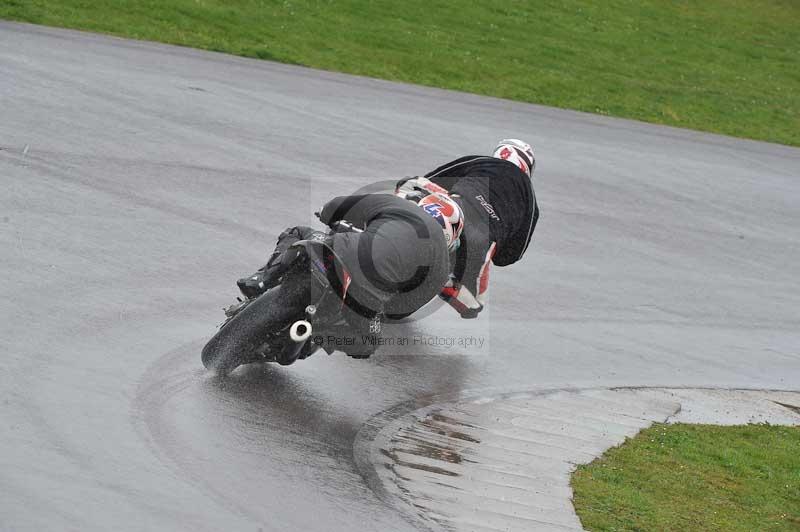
[300, 331]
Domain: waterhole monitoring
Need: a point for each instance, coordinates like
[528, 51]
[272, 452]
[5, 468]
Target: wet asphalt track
[139, 180]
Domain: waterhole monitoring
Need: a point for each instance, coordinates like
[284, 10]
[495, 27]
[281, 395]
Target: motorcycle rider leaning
[500, 214]
[469, 213]
[396, 254]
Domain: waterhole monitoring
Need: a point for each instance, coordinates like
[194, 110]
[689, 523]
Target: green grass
[695, 477]
[728, 66]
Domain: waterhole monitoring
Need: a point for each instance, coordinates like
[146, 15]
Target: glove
[461, 299]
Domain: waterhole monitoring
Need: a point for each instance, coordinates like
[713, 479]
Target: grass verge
[728, 66]
[694, 477]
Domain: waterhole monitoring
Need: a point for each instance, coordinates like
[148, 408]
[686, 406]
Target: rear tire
[238, 339]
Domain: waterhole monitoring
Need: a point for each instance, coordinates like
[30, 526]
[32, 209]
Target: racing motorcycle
[277, 326]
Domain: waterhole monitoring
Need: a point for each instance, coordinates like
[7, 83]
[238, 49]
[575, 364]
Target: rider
[500, 211]
[396, 253]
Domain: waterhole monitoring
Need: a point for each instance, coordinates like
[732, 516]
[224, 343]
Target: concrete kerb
[501, 459]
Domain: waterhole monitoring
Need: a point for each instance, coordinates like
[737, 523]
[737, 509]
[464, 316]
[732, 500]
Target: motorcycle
[277, 326]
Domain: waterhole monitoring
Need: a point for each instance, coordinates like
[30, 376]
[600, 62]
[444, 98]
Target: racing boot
[270, 274]
[254, 285]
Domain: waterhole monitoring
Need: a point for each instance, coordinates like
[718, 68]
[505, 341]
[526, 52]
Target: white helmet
[518, 152]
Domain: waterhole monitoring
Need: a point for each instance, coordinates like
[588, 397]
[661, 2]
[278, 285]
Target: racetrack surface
[140, 180]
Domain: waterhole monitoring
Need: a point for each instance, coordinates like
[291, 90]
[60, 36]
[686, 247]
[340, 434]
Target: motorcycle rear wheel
[237, 341]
